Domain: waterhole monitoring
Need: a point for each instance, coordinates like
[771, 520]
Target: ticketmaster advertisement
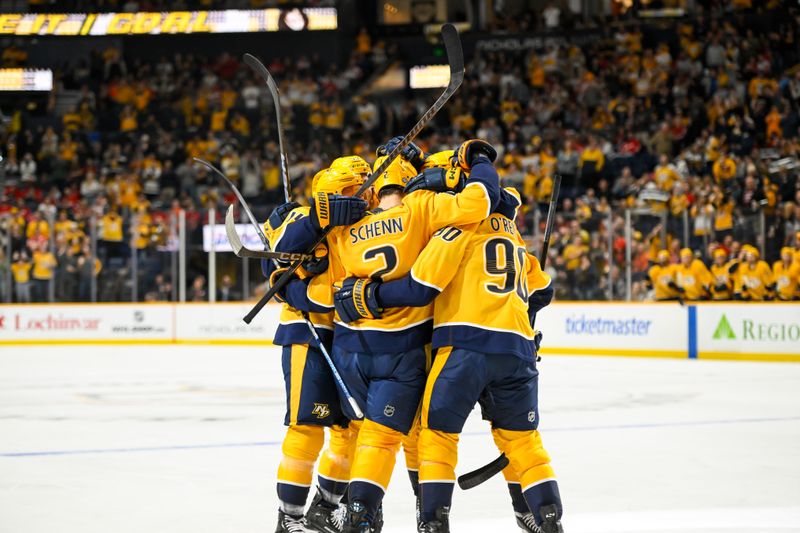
[614, 329]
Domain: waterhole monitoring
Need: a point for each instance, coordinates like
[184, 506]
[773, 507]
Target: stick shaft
[455, 56]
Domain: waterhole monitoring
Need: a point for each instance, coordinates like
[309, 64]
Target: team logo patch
[531, 416]
[321, 410]
[388, 410]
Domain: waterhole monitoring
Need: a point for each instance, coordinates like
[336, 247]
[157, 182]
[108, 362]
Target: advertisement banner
[247, 233]
[26, 79]
[748, 331]
[614, 329]
[169, 22]
[65, 323]
[222, 322]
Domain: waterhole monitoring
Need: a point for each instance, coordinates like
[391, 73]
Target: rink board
[765, 332]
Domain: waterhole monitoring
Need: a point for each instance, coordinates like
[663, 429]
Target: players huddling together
[423, 293]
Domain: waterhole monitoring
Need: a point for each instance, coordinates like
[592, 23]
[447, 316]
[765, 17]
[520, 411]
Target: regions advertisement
[614, 329]
[66, 323]
[222, 322]
[769, 331]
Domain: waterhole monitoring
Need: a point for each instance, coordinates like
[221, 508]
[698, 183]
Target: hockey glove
[319, 264]
[280, 296]
[357, 299]
[411, 153]
[336, 210]
[437, 180]
[468, 151]
[279, 214]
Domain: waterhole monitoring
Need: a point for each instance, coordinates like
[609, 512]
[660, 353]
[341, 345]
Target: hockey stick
[476, 477]
[242, 251]
[276, 99]
[455, 56]
[548, 228]
[262, 71]
[267, 254]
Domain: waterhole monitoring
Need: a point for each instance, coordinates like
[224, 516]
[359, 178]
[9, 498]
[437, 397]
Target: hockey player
[722, 285]
[483, 341]
[382, 356]
[692, 277]
[787, 275]
[755, 281]
[298, 238]
[661, 278]
[312, 398]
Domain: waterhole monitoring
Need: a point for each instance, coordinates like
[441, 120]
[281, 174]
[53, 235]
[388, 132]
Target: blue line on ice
[654, 425]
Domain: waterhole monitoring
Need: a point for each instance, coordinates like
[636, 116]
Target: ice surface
[180, 439]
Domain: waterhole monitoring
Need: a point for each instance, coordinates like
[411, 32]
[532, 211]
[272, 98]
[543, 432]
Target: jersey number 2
[512, 267]
[389, 256]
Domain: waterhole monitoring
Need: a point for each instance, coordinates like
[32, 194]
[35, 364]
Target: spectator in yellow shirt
[665, 174]
[21, 270]
[723, 215]
[591, 163]
[44, 267]
[724, 169]
[72, 120]
[573, 252]
[722, 284]
[692, 277]
[35, 225]
[787, 275]
[110, 235]
[218, 119]
[127, 120]
[661, 278]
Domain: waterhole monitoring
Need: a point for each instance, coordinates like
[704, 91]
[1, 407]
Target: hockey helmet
[439, 160]
[397, 174]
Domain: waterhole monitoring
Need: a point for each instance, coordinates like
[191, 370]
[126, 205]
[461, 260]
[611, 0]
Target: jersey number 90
[502, 258]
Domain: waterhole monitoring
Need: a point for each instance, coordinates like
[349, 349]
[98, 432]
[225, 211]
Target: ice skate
[291, 524]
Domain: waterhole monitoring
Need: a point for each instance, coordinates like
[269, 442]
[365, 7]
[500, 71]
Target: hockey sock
[531, 462]
[411, 452]
[515, 490]
[376, 452]
[301, 447]
[438, 453]
[333, 474]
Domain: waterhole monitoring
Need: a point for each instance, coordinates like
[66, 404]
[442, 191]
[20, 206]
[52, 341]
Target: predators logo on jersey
[321, 410]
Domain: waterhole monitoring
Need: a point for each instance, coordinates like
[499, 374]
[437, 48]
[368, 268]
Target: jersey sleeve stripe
[421, 282]
[403, 328]
[479, 326]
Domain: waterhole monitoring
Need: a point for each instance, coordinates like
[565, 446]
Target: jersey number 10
[502, 258]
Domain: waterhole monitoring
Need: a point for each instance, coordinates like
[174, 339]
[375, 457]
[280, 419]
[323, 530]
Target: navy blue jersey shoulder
[404, 292]
[483, 172]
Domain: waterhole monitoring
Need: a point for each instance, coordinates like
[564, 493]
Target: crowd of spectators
[690, 127]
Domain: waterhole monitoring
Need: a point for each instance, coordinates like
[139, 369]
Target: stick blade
[455, 54]
[254, 63]
[476, 477]
[230, 231]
